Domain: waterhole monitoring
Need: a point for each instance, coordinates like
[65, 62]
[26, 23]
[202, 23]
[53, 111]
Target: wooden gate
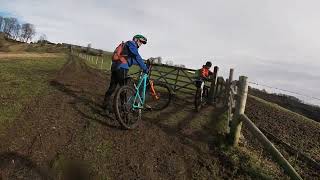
[180, 79]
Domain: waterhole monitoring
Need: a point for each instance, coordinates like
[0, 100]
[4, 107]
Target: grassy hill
[10, 46]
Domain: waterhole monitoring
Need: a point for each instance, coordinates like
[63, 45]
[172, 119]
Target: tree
[16, 31]
[100, 52]
[43, 39]
[1, 23]
[9, 26]
[27, 32]
[170, 63]
[88, 47]
[159, 60]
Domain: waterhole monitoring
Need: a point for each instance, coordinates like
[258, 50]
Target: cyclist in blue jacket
[125, 55]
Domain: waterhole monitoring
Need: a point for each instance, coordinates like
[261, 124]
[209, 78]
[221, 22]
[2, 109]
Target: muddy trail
[64, 135]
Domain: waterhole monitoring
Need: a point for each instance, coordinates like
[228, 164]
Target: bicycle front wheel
[158, 95]
[125, 113]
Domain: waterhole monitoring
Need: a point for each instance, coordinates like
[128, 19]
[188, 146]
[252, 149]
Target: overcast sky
[273, 42]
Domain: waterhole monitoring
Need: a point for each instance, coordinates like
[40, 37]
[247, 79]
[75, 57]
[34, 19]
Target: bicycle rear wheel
[158, 95]
[127, 116]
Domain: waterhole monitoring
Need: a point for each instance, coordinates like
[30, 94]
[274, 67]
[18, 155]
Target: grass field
[22, 79]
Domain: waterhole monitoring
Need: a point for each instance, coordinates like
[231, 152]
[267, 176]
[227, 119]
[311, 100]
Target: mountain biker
[125, 55]
[203, 74]
[205, 71]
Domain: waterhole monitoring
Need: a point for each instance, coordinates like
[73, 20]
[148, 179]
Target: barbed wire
[284, 90]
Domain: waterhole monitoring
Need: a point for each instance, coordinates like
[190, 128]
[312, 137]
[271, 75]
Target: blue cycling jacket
[134, 58]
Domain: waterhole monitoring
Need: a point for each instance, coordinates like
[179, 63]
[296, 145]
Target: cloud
[267, 40]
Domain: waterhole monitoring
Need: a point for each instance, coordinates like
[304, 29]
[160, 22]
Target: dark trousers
[118, 76]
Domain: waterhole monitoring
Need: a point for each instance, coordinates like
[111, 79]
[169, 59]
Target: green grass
[246, 161]
[22, 80]
[43, 48]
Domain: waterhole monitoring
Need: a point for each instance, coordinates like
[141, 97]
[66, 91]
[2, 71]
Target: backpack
[197, 73]
[119, 54]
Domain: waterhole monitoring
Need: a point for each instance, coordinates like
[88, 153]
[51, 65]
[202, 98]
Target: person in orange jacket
[205, 71]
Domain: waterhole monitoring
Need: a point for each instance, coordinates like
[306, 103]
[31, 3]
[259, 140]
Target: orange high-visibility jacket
[205, 72]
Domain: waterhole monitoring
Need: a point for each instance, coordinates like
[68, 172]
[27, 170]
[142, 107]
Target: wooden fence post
[97, 60]
[236, 122]
[216, 90]
[219, 88]
[213, 84]
[228, 86]
[225, 93]
[101, 63]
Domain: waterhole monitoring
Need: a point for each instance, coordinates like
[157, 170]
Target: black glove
[146, 71]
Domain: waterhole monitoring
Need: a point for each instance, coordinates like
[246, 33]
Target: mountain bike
[146, 94]
[201, 95]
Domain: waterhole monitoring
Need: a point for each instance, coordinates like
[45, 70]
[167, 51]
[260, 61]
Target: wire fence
[284, 90]
[98, 62]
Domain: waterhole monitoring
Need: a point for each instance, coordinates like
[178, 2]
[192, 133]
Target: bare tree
[1, 23]
[9, 26]
[42, 39]
[88, 47]
[16, 31]
[100, 52]
[27, 32]
[169, 62]
[159, 60]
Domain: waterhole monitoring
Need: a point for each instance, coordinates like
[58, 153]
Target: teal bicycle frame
[138, 101]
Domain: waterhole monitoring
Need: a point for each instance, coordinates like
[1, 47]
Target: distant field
[29, 55]
[22, 79]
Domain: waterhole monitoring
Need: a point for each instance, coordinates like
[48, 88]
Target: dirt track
[64, 133]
